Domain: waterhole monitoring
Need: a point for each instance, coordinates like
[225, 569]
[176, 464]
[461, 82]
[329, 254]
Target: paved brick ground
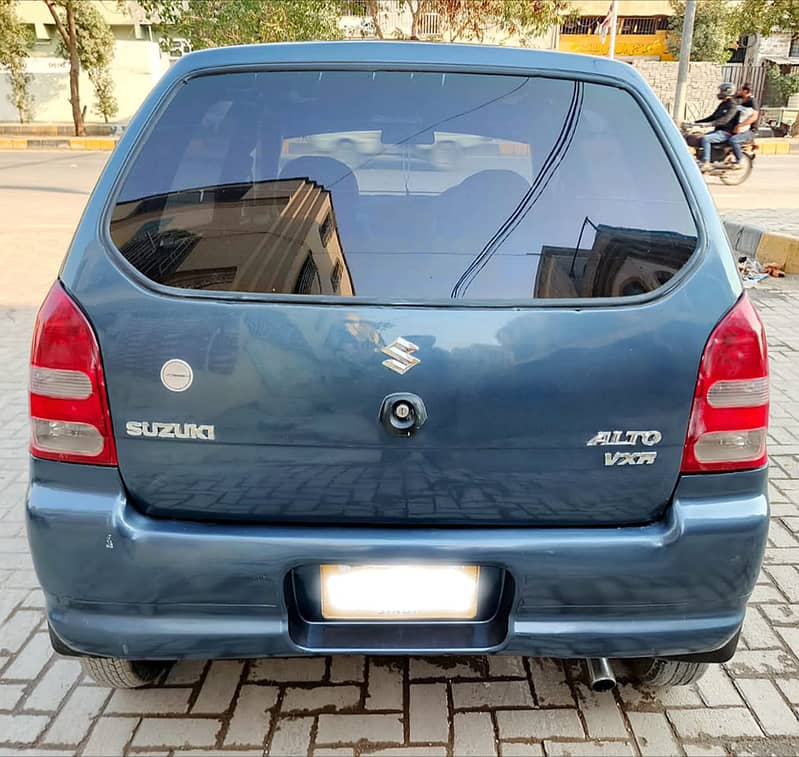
[355, 706]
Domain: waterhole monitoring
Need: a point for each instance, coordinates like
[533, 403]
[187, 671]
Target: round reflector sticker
[176, 375]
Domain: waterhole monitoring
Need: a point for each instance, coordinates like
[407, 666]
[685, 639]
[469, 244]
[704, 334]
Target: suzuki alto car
[286, 403]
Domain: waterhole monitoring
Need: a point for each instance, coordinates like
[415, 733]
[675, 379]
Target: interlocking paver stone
[54, 685]
[21, 729]
[729, 723]
[31, 659]
[347, 668]
[653, 734]
[321, 698]
[474, 735]
[250, 722]
[427, 712]
[76, 717]
[385, 685]
[176, 732]
[598, 748]
[482, 694]
[148, 701]
[292, 737]
[775, 716]
[539, 724]
[350, 729]
[219, 687]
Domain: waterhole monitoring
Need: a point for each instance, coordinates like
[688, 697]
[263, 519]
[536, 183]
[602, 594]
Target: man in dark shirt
[748, 113]
[724, 120]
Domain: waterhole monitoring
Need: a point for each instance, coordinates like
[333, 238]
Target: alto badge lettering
[201, 432]
[626, 439]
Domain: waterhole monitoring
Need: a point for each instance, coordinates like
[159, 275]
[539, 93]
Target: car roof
[470, 57]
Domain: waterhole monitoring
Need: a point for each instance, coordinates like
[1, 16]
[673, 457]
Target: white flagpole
[613, 21]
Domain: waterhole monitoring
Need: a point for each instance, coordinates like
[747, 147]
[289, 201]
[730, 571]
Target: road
[354, 706]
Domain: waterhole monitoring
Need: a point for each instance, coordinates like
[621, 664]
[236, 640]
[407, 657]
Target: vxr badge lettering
[630, 458]
[203, 433]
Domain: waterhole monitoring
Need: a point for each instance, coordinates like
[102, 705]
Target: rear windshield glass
[404, 185]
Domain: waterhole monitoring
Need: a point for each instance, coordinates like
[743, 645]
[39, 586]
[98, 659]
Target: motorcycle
[722, 159]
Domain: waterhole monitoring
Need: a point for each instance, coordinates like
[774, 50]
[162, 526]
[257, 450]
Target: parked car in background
[287, 403]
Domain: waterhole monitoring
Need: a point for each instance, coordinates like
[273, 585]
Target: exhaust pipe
[600, 674]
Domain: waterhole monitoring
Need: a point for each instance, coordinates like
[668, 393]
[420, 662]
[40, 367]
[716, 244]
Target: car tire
[122, 674]
[657, 673]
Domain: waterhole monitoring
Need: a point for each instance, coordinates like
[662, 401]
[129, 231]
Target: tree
[463, 20]
[215, 23]
[716, 30]
[470, 19]
[63, 13]
[373, 8]
[95, 54]
[766, 16]
[15, 44]
[87, 41]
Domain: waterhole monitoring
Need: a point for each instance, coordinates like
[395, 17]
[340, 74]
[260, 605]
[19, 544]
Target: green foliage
[95, 38]
[15, 44]
[781, 86]
[107, 105]
[716, 29]
[766, 16]
[216, 23]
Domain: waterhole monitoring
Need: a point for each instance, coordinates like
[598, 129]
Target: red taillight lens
[729, 420]
[70, 420]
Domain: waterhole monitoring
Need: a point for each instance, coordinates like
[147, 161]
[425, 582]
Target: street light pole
[685, 59]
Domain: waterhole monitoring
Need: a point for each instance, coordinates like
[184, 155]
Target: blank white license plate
[399, 592]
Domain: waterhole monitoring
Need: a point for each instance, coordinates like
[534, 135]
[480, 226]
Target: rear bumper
[122, 584]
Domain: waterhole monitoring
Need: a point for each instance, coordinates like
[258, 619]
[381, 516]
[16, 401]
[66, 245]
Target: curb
[58, 143]
[764, 246]
[776, 147]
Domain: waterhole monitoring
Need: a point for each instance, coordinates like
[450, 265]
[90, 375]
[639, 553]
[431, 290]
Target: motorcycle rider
[748, 113]
[724, 120]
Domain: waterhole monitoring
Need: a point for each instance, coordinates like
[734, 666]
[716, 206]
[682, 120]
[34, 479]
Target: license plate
[399, 592]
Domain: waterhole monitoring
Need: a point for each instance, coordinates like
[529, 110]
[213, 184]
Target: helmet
[726, 89]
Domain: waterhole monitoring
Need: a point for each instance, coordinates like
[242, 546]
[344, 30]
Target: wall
[136, 68]
[775, 45]
[703, 82]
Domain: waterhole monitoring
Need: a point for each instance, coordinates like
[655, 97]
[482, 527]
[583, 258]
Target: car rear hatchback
[398, 348]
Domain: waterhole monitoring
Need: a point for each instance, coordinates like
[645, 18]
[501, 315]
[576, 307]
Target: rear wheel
[122, 674]
[733, 178]
[657, 673]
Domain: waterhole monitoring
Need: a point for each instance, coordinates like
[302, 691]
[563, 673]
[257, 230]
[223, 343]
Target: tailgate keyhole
[403, 413]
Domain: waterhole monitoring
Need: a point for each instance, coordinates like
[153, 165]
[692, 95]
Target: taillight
[729, 420]
[70, 420]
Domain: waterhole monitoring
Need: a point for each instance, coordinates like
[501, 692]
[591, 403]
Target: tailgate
[546, 417]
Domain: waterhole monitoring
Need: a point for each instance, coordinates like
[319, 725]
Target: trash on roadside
[774, 270]
[751, 271]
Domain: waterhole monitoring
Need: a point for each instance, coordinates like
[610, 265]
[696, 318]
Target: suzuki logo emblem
[399, 352]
